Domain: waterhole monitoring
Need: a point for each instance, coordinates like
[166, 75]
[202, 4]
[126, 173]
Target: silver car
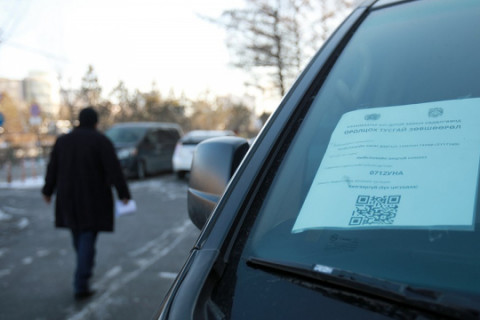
[182, 157]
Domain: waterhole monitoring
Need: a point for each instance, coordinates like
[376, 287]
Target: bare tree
[330, 13]
[9, 22]
[126, 103]
[70, 101]
[91, 90]
[264, 36]
[274, 38]
[238, 119]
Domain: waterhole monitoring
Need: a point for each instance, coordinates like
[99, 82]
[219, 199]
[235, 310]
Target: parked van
[144, 148]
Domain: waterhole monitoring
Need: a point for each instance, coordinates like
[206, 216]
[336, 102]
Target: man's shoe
[79, 296]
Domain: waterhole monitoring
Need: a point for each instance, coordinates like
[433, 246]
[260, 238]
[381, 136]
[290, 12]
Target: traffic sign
[35, 110]
[35, 121]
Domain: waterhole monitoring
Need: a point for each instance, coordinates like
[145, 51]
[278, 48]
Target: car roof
[147, 124]
[195, 133]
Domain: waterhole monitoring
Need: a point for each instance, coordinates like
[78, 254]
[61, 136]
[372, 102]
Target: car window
[152, 137]
[160, 136]
[381, 177]
[125, 134]
[172, 135]
[167, 136]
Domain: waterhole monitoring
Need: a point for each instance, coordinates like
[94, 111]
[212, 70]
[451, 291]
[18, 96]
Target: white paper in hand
[122, 209]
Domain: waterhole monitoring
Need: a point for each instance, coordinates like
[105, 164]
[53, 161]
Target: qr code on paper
[375, 210]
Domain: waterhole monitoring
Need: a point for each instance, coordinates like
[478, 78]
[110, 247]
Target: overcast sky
[137, 41]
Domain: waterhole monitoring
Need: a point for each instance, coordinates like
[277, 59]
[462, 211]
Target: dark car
[359, 198]
[144, 148]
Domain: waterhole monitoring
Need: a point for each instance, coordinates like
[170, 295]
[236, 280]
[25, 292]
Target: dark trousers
[84, 244]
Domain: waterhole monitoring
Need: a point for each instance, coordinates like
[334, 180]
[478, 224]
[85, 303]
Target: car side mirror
[214, 163]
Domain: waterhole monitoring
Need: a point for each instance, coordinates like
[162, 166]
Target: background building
[13, 88]
[42, 88]
[12, 107]
[28, 108]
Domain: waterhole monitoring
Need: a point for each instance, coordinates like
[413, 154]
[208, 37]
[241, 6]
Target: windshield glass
[382, 176]
[120, 135]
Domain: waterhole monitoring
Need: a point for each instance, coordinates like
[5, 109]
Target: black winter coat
[82, 169]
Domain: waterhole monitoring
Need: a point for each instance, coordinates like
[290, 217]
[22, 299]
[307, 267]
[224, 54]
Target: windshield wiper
[419, 298]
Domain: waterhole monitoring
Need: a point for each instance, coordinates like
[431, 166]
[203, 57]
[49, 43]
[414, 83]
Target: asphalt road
[135, 265]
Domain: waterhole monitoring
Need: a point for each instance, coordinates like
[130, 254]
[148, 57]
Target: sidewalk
[28, 173]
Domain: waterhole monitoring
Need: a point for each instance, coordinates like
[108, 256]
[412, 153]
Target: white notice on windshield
[410, 166]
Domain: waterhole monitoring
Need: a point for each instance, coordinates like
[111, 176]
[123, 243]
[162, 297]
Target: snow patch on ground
[4, 216]
[113, 272]
[4, 272]
[3, 251]
[27, 183]
[27, 260]
[23, 223]
[43, 253]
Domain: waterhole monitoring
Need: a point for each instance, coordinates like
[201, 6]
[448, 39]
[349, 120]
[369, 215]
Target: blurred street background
[202, 65]
[135, 265]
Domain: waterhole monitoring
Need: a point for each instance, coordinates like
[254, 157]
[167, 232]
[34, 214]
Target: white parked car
[182, 157]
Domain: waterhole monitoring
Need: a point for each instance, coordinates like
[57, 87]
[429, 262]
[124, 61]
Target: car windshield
[381, 177]
[197, 136]
[120, 135]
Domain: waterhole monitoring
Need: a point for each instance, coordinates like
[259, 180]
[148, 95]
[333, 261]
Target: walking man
[83, 167]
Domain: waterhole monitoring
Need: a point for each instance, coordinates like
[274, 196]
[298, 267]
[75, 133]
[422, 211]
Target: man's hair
[88, 117]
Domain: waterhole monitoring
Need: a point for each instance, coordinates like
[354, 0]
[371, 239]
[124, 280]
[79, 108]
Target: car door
[151, 152]
[166, 145]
